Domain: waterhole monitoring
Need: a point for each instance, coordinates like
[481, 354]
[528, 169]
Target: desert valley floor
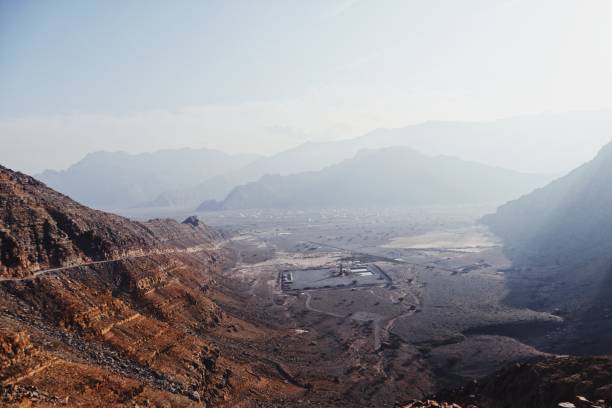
[378, 307]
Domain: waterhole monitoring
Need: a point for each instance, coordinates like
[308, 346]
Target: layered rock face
[141, 319]
[118, 313]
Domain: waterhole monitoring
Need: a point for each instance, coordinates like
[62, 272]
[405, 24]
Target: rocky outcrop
[192, 220]
[573, 381]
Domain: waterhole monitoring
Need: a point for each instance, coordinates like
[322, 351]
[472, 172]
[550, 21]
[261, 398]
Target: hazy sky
[261, 76]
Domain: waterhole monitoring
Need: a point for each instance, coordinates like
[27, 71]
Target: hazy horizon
[590, 148]
[261, 78]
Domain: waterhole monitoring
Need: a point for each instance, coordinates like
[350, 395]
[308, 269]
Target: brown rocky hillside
[124, 316]
[41, 228]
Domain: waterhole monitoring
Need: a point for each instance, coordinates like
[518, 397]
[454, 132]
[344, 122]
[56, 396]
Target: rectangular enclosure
[333, 277]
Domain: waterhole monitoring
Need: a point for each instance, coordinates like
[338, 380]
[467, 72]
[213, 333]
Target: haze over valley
[340, 203]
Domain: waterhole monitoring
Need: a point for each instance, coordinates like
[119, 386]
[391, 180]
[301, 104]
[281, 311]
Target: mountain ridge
[394, 176]
[110, 180]
[542, 143]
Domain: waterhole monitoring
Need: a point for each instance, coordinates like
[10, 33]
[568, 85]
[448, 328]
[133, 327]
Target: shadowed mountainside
[567, 222]
[561, 237]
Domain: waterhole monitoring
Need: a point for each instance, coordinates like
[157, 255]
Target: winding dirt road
[53, 271]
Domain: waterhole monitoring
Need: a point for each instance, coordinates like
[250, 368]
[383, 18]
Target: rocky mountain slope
[561, 235]
[396, 176]
[111, 180]
[42, 229]
[128, 315]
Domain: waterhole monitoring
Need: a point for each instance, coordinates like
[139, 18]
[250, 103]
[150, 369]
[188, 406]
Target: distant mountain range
[395, 176]
[306, 157]
[545, 144]
[111, 180]
[561, 236]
